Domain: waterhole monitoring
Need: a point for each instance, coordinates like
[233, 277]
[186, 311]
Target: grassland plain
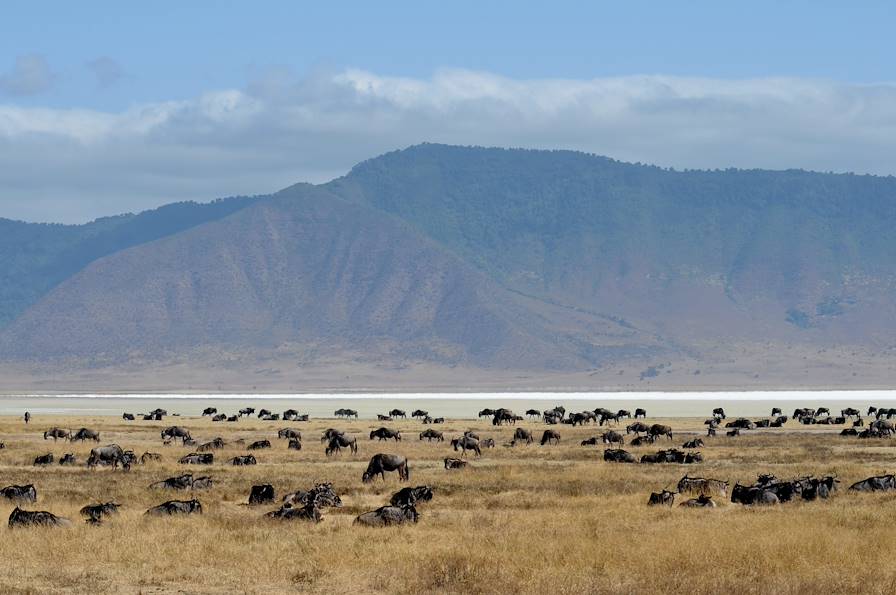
[524, 519]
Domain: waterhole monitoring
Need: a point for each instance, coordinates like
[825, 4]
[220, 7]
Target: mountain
[527, 268]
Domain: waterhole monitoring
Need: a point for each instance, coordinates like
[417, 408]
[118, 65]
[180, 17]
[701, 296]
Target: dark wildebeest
[455, 463]
[150, 456]
[758, 494]
[426, 420]
[247, 411]
[56, 433]
[879, 483]
[209, 411]
[637, 428]
[486, 413]
[294, 444]
[290, 415]
[68, 459]
[823, 411]
[219, 417]
[882, 426]
[695, 443]
[263, 413]
[471, 434]
[381, 417]
[411, 496]
[657, 430]
[202, 482]
[623, 413]
[215, 444]
[388, 515]
[590, 441]
[176, 507]
[176, 432]
[381, 463]
[872, 410]
[850, 412]
[718, 412]
[611, 437]
[700, 485]
[776, 411]
[420, 413]
[642, 440]
[487, 443]
[340, 441]
[261, 494]
[329, 433]
[309, 511]
[181, 482]
[259, 445]
[244, 460]
[27, 417]
[46, 459]
[803, 412]
[702, 501]
[617, 455]
[849, 432]
[742, 423]
[821, 487]
[350, 413]
[26, 493]
[321, 495]
[398, 413]
[522, 434]
[197, 458]
[430, 435]
[439, 420]
[533, 413]
[734, 432]
[27, 518]
[465, 443]
[96, 512]
[664, 498]
[640, 413]
[127, 416]
[385, 434]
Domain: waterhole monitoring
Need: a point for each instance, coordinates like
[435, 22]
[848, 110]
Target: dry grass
[526, 519]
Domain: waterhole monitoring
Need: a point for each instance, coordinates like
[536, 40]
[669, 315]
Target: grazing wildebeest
[350, 413]
[127, 416]
[657, 430]
[637, 428]
[590, 441]
[623, 413]
[220, 417]
[611, 437]
[27, 518]
[776, 411]
[209, 411]
[398, 413]
[533, 413]
[96, 512]
[640, 413]
[176, 432]
[455, 463]
[181, 482]
[664, 498]
[486, 412]
[197, 458]
[617, 455]
[503, 416]
[56, 433]
[605, 415]
[879, 483]
[522, 434]
[261, 494]
[150, 456]
[244, 460]
[176, 507]
[68, 459]
[850, 412]
[247, 411]
[420, 413]
[430, 435]
[46, 459]
[25, 493]
[294, 444]
[700, 485]
[259, 445]
[695, 443]
[702, 501]
[465, 443]
[388, 515]
[385, 434]
[381, 463]
[411, 496]
[718, 412]
[340, 441]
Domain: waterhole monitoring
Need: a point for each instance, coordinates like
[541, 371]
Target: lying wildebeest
[640, 413]
[176, 432]
[96, 512]
[819, 487]
[430, 435]
[465, 443]
[176, 507]
[197, 458]
[203, 482]
[263, 413]
[763, 423]
[590, 441]
[261, 494]
[438, 420]
[611, 437]
[400, 413]
[385, 434]
[664, 498]
[702, 501]
[734, 432]
[454, 463]
[243, 460]
[294, 444]
[233, 418]
[742, 423]
[209, 411]
[150, 456]
[617, 455]
[68, 459]
[718, 412]
[340, 441]
[28, 518]
[642, 440]
[487, 443]
[46, 459]
[550, 437]
[26, 493]
[411, 496]
[181, 482]
[259, 445]
[700, 485]
[219, 417]
[381, 463]
[381, 417]
[776, 411]
[695, 443]
[321, 495]
[883, 427]
[211, 445]
[127, 416]
[657, 430]
[388, 515]
[306, 512]
[56, 434]
[879, 483]
[849, 432]
[522, 434]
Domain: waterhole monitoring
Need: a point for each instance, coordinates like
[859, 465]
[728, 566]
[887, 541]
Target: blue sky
[109, 106]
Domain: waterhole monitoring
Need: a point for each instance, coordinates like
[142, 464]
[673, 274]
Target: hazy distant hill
[540, 261]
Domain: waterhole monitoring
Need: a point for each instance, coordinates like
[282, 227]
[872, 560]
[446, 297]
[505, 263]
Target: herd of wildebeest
[402, 507]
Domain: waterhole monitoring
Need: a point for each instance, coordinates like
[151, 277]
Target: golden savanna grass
[528, 519]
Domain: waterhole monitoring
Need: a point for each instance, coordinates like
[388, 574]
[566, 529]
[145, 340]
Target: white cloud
[30, 75]
[77, 164]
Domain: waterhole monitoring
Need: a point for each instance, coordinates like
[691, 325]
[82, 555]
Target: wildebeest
[197, 458]
[503, 416]
[819, 487]
[734, 432]
[321, 495]
[247, 411]
[640, 413]
[42, 518]
[550, 437]
[209, 411]
[741, 423]
[56, 433]
[850, 412]
[803, 412]
[385, 434]
[779, 421]
[718, 412]
[127, 416]
[420, 413]
[398, 413]
[27, 417]
[176, 432]
[388, 515]
[150, 456]
[381, 417]
[68, 459]
[454, 463]
[96, 512]
[883, 427]
[430, 435]
[664, 498]
[181, 482]
[381, 463]
[533, 413]
[695, 443]
[243, 460]
[642, 440]
[878, 483]
[215, 444]
[25, 493]
[522, 434]
[172, 507]
[309, 511]
[776, 411]
[465, 443]
[637, 428]
[411, 496]
[289, 433]
[46, 459]
[294, 444]
[822, 411]
[849, 432]
[219, 417]
[702, 501]
[700, 485]
[590, 441]
[657, 430]
[340, 441]
[486, 412]
[259, 445]
[611, 437]
[346, 413]
[487, 443]
[617, 455]
[261, 494]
